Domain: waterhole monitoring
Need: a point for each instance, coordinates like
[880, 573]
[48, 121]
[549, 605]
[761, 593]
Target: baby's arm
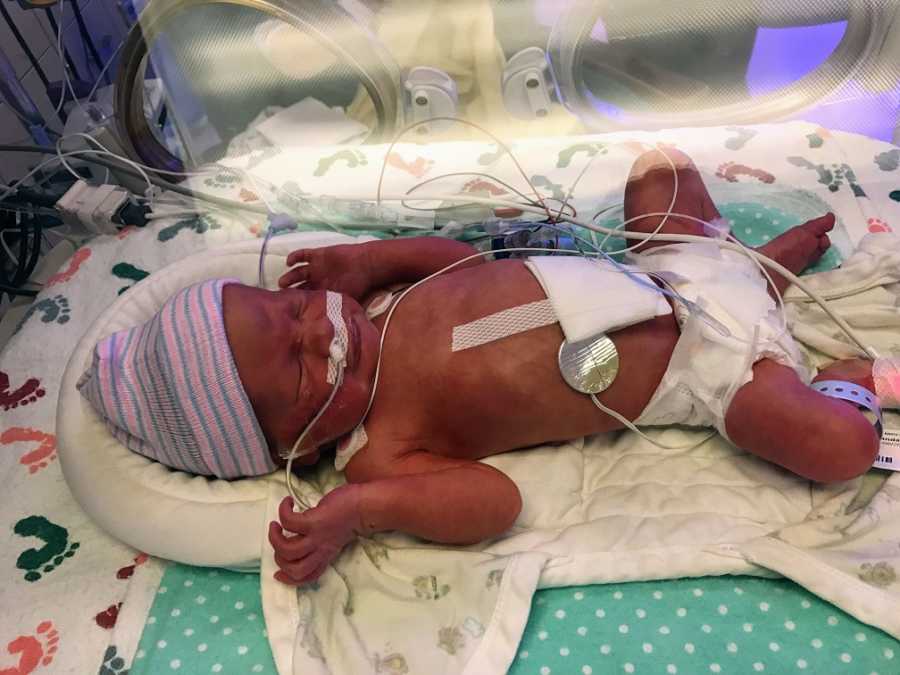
[359, 269]
[436, 498]
[440, 499]
[405, 261]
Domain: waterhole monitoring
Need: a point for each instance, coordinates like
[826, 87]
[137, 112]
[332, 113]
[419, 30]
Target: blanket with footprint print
[76, 601]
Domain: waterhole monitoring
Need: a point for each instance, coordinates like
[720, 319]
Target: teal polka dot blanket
[210, 621]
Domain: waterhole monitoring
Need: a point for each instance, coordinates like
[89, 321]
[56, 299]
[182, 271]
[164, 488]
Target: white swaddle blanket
[611, 509]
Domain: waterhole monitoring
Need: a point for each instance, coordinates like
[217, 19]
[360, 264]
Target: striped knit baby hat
[169, 389]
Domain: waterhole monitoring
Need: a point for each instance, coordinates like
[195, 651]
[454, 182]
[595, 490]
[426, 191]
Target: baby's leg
[779, 418]
[649, 190]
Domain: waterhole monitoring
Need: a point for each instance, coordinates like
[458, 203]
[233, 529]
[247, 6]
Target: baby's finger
[315, 574]
[285, 579]
[286, 564]
[301, 255]
[291, 548]
[302, 570]
[298, 275]
[295, 522]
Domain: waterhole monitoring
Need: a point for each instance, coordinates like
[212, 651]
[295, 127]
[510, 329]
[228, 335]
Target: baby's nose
[319, 336]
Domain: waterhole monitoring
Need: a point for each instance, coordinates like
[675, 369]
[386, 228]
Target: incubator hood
[201, 77]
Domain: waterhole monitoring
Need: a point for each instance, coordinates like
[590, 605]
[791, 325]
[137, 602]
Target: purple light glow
[784, 55]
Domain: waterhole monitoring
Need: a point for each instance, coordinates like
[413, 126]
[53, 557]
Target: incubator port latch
[527, 84]
[430, 93]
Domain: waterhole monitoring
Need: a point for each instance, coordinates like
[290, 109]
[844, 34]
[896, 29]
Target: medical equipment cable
[587, 165]
[506, 151]
[481, 254]
[212, 199]
[674, 238]
[61, 155]
[643, 238]
[459, 174]
[494, 202]
[296, 447]
[596, 402]
[694, 307]
[143, 168]
[64, 58]
[109, 62]
[756, 258]
[669, 212]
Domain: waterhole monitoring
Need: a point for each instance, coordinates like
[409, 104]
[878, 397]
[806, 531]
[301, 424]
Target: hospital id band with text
[889, 451]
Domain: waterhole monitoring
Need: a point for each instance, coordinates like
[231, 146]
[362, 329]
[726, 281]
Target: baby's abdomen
[511, 394]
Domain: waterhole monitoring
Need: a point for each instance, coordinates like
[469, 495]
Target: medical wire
[143, 168]
[211, 199]
[296, 447]
[6, 248]
[462, 261]
[674, 238]
[587, 165]
[459, 174]
[61, 156]
[506, 150]
[669, 212]
[59, 52]
[754, 257]
[643, 237]
[12, 188]
[109, 62]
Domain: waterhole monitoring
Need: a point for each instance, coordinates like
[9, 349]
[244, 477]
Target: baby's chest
[502, 394]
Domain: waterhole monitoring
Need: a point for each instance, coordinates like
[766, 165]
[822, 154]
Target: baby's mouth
[353, 351]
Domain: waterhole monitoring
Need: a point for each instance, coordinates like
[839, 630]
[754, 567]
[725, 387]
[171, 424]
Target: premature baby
[226, 377]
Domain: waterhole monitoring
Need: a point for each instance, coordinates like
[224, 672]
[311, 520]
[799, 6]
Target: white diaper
[707, 368]
[591, 297]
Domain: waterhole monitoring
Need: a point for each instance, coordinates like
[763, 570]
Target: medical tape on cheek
[886, 373]
[333, 304]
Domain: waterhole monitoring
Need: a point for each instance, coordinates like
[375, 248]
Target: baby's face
[280, 342]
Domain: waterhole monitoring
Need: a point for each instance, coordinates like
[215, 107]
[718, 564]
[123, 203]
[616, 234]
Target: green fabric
[755, 225]
[210, 621]
[205, 621]
[752, 223]
[695, 626]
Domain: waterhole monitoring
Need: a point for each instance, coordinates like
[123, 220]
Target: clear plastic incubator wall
[201, 80]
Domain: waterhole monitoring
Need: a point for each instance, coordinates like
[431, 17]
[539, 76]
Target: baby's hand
[344, 269]
[322, 532]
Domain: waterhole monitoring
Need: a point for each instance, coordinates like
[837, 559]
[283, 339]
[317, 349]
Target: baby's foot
[799, 247]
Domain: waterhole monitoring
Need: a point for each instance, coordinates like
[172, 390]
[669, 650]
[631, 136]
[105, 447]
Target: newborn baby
[232, 375]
